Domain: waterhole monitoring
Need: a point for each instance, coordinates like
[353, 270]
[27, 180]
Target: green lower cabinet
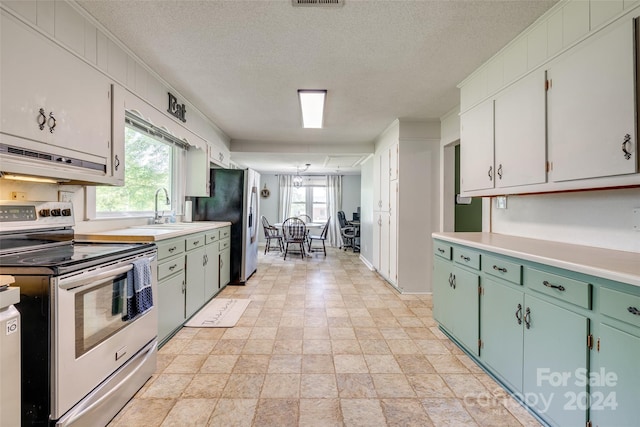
[502, 331]
[442, 292]
[170, 305]
[465, 309]
[615, 379]
[225, 267]
[195, 280]
[211, 271]
[555, 356]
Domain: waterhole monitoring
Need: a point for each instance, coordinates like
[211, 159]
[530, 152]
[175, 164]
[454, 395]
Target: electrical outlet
[501, 202]
[65, 196]
[636, 219]
[18, 195]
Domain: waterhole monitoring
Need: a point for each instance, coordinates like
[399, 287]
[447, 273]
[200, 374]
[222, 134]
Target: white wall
[269, 206]
[592, 218]
[366, 211]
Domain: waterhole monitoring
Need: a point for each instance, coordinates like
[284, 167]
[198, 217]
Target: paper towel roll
[188, 214]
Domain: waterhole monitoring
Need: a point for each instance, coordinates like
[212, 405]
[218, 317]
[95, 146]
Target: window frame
[311, 183]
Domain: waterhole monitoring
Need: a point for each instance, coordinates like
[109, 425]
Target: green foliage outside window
[148, 166]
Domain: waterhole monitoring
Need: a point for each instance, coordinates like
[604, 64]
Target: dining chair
[347, 232]
[306, 218]
[294, 232]
[322, 237]
[271, 233]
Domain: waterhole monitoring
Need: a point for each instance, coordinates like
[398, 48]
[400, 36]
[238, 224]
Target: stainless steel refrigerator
[234, 198]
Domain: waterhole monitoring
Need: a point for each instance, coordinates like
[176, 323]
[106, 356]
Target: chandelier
[297, 180]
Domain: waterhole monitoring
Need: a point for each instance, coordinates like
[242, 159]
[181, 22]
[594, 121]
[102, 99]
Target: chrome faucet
[156, 218]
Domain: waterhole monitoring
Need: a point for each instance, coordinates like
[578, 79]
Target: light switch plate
[636, 219]
[501, 202]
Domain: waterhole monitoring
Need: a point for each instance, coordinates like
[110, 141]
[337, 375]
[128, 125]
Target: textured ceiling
[242, 62]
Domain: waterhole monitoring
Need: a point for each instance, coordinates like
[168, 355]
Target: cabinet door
[501, 329]
[198, 178]
[520, 133]
[393, 161]
[225, 271]
[377, 231]
[393, 232]
[211, 270]
[465, 308]
[614, 395]
[443, 309]
[476, 148]
[554, 348]
[38, 74]
[170, 305]
[384, 243]
[591, 107]
[384, 180]
[195, 280]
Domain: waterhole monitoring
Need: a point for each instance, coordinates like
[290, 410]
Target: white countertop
[149, 233]
[620, 266]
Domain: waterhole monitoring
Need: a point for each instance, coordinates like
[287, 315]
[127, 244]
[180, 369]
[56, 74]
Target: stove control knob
[66, 212]
[45, 212]
[55, 212]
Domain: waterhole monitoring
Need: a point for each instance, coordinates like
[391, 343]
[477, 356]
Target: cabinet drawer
[168, 268]
[569, 290]
[195, 241]
[442, 249]
[224, 244]
[620, 305]
[167, 249]
[466, 257]
[506, 270]
[225, 232]
[211, 236]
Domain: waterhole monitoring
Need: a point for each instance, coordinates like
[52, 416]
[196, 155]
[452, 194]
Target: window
[310, 199]
[151, 162]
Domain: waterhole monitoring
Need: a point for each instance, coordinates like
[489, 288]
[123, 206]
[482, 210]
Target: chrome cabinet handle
[500, 269]
[173, 267]
[552, 286]
[42, 119]
[465, 258]
[519, 314]
[490, 173]
[627, 140]
[441, 250]
[634, 311]
[452, 280]
[117, 162]
[172, 249]
[500, 171]
[51, 127]
[196, 242]
[527, 318]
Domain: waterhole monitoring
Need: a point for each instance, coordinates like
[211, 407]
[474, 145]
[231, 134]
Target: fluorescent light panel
[312, 105]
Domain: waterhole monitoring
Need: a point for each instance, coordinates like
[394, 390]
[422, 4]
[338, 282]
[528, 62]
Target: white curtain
[286, 183]
[334, 204]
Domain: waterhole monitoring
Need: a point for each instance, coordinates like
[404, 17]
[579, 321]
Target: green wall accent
[467, 217]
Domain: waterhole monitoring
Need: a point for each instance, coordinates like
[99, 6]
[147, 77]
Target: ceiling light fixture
[297, 180]
[312, 105]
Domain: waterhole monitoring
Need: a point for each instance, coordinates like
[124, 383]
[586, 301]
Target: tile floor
[324, 342]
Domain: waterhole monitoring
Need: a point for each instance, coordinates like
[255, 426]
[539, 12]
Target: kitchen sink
[171, 225]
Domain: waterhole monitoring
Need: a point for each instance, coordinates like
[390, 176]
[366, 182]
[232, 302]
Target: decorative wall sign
[265, 193]
[176, 110]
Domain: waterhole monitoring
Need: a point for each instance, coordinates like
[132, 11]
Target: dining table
[309, 225]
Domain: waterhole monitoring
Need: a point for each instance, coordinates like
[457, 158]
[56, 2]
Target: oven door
[92, 333]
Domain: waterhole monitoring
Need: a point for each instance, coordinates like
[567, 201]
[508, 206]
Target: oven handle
[93, 280]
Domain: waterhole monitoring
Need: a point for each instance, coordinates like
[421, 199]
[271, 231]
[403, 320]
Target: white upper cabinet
[51, 98]
[591, 107]
[476, 148]
[520, 149]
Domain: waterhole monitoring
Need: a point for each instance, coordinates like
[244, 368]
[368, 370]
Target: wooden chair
[306, 218]
[271, 233]
[294, 232]
[322, 237]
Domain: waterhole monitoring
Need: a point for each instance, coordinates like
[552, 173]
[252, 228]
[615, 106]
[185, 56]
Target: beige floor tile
[362, 412]
[382, 364]
[285, 364]
[316, 347]
[447, 412]
[277, 412]
[350, 364]
[355, 386]
[237, 333]
[168, 386]
[345, 347]
[206, 386]
[414, 364]
[375, 347]
[219, 364]
[258, 347]
[287, 347]
[190, 413]
[320, 413]
[228, 347]
[429, 385]
[263, 333]
[279, 386]
[292, 332]
[465, 385]
[185, 364]
[403, 347]
[143, 412]
[322, 386]
[209, 334]
[446, 364]
[233, 412]
[174, 346]
[317, 364]
[405, 413]
[392, 386]
[252, 364]
[243, 386]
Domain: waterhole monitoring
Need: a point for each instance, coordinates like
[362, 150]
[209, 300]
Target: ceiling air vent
[317, 2]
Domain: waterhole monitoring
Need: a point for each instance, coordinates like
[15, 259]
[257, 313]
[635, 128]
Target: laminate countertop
[150, 233]
[620, 266]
